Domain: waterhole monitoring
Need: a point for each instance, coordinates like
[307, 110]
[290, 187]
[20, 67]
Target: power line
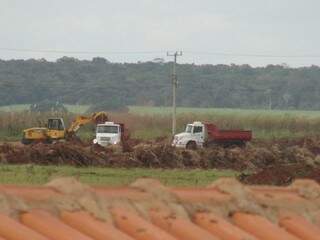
[78, 52]
[158, 52]
[251, 55]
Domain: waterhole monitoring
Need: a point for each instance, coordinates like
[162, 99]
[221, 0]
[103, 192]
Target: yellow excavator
[56, 130]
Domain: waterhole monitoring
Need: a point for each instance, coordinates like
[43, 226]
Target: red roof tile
[220, 227]
[138, 227]
[227, 210]
[50, 226]
[11, 229]
[261, 227]
[300, 227]
[89, 225]
[179, 227]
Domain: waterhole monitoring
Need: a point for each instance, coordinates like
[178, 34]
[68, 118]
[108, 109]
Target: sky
[255, 32]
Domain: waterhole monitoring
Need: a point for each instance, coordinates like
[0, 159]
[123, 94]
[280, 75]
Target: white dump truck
[110, 133]
[198, 134]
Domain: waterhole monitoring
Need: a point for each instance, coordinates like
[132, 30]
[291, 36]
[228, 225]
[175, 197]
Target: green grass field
[14, 108]
[224, 111]
[36, 175]
[142, 110]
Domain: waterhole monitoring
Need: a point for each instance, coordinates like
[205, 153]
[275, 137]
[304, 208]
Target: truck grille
[105, 139]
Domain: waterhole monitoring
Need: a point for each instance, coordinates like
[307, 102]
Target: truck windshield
[197, 129]
[189, 128]
[107, 129]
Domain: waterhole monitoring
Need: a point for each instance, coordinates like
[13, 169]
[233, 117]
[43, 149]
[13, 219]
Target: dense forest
[73, 81]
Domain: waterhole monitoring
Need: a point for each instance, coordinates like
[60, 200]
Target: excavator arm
[96, 118]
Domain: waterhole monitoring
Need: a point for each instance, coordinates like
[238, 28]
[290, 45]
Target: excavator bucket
[95, 118]
[100, 117]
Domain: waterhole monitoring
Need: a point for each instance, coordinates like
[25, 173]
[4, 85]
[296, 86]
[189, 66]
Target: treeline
[73, 81]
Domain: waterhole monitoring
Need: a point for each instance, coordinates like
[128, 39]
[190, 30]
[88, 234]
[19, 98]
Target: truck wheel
[48, 141]
[26, 141]
[191, 145]
[242, 144]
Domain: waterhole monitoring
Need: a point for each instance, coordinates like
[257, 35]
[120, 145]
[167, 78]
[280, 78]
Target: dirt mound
[6, 148]
[281, 175]
[278, 163]
[59, 153]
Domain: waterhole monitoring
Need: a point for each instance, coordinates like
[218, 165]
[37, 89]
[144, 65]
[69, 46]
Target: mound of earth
[276, 163]
[281, 175]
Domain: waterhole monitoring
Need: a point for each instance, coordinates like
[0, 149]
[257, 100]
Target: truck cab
[108, 133]
[200, 134]
[192, 137]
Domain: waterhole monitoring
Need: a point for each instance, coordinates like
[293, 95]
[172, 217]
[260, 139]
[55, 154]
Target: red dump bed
[215, 134]
[124, 132]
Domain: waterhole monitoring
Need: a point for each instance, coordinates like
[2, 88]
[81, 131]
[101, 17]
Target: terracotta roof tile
[261, 227]
[30, 193]
[50, 226]
[11, 229]
[179, 227]
[226, 211]
[317, 220]
[124, 192]
[220, 227]
[89, 225]
[138, 227]
[300, 227]
[201, 194]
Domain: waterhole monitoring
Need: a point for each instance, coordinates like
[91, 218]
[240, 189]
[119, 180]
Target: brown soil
[273, 162]
[281, 175]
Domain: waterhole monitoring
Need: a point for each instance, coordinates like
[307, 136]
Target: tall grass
[264, 123]
[147, 126]
[149, 110]
[285, 126]
[73, 108]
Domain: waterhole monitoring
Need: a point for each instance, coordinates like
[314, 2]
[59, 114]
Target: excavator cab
[56, 128]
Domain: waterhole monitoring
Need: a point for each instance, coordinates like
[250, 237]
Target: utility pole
[269, 96]
[174, 87]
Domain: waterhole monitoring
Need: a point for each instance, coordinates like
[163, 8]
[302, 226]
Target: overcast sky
[202, 28]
